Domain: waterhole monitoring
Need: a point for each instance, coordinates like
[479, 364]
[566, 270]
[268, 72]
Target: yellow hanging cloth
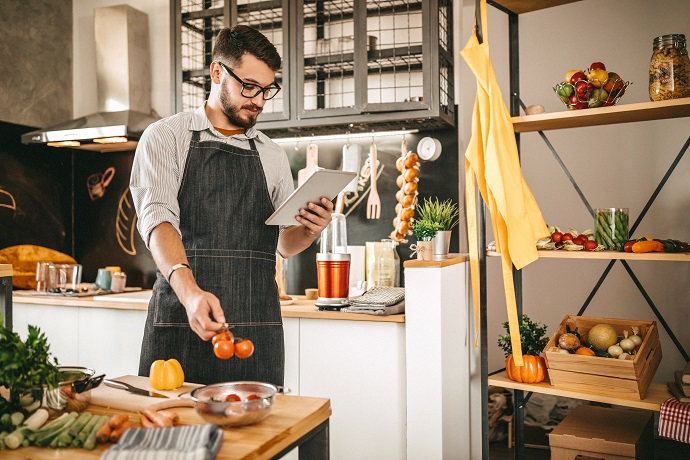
[492, 160]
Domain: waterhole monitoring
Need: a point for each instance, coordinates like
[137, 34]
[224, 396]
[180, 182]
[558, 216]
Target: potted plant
[533, 339]
[26, 369]
[442, 216]
[424, 231]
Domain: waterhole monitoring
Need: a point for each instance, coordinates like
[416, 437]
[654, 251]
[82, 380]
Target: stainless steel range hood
[123, 75]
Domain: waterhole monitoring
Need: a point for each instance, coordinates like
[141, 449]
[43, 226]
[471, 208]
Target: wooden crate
[628, 378]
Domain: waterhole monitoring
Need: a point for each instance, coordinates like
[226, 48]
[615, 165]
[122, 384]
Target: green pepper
[565, 89]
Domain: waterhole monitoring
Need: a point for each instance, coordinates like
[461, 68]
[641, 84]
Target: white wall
[615, 166]
[84, 70]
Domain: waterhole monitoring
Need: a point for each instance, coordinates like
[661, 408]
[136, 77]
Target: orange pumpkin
[533, 371]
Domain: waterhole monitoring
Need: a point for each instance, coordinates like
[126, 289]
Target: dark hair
[232, 43]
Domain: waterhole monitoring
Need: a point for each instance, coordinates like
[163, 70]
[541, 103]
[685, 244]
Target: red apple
[577, 76]
[597, 65]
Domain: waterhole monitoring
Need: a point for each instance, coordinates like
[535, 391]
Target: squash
[533, 371]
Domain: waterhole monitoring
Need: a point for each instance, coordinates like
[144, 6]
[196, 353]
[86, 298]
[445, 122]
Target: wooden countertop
[291, 418]
[5, 270]
[451, 259]
[301, 308]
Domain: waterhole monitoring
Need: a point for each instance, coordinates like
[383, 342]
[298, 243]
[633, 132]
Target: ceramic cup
[103, 279]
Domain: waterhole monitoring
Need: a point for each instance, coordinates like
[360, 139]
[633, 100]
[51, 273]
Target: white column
[440, 358]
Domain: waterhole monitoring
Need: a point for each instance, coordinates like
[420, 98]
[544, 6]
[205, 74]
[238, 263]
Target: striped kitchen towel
[193, 442]
[674, 420]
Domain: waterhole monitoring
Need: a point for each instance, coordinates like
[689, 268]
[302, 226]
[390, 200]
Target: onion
[627, 345]
[615, 351]
[622, 356]
[637, 340]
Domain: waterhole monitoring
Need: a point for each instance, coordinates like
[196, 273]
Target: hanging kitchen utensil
[374, 202]
[351, 162]
[312, 164]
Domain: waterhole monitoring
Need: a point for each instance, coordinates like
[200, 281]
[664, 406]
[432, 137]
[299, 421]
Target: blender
[333, 266]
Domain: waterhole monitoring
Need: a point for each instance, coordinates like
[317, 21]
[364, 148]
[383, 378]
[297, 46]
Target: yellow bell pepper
[166, 375]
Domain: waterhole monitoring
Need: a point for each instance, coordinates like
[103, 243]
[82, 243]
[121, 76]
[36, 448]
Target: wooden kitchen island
[294, 421]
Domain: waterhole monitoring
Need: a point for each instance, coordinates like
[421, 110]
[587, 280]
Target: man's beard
[233, 111]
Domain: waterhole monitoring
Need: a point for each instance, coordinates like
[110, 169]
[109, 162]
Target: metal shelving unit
[626, 113]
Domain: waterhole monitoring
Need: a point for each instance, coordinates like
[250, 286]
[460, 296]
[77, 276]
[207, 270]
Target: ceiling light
[110, 140]
[64, 144]
[330, 137]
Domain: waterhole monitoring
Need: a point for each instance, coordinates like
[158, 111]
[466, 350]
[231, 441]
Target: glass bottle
[669, 68]
[388, 265]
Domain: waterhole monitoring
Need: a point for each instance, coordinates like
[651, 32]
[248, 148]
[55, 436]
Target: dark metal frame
[424, 115]
[6, 300]
[515, 103]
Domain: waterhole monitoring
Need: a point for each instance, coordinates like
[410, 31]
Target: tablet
[323, 183]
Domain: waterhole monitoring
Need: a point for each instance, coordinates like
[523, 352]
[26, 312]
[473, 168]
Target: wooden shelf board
[624, 113]
[608, 255]
[657, 393]
[526, 6]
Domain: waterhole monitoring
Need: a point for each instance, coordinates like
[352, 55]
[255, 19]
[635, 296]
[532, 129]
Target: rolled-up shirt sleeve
[155, 180]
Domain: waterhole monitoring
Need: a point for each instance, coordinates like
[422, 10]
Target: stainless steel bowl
[74, 391]
[210, 402]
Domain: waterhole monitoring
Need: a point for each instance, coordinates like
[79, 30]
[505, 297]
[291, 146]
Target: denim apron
[224, 201]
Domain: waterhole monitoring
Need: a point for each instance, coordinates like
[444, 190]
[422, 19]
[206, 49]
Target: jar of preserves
[669, 68]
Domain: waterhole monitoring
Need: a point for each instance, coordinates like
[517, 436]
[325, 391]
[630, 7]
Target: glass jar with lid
[669, 68]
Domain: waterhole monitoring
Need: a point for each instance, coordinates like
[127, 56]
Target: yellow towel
[492, 160]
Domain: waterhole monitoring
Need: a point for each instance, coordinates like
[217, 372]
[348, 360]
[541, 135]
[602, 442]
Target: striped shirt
[159, 162]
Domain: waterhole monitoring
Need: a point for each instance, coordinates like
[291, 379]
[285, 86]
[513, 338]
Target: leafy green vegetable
[532, 338]
[25, 366]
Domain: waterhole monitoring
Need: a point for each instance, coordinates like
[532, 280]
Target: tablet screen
[323, 183]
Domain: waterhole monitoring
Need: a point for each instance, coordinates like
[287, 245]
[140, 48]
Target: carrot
[117, 432]
[117, 420]
[648, 246]
[103, 433]
[174, 418]
[145, 422]
[158, 419]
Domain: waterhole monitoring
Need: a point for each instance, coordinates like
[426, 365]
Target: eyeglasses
[250, 90]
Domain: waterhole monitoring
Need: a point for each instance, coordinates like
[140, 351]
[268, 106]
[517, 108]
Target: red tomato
[232, 397]
[223, 335]
[244, 349]
[580, 241]
[252, 397]
[583, 236]
[224, 349]
[567, 237]
[627, 247]
[556, 237]
[590, 245]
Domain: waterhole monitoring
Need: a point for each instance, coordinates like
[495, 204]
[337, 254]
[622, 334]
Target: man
[203, 184]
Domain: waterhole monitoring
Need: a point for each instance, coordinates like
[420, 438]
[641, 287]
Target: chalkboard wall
[78, 202]
[35, 193]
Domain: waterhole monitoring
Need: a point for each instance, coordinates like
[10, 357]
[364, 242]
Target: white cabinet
[360, 366]
[107, 340]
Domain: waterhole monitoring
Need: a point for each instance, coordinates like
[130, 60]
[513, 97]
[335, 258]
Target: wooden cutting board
[115, 398]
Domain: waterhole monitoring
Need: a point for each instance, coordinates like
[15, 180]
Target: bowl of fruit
[594, 87]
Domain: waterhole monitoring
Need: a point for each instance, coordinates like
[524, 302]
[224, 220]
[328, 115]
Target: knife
[131, 389]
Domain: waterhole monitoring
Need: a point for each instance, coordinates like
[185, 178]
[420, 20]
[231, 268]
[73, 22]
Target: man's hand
[202, 309]
[316, 218]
